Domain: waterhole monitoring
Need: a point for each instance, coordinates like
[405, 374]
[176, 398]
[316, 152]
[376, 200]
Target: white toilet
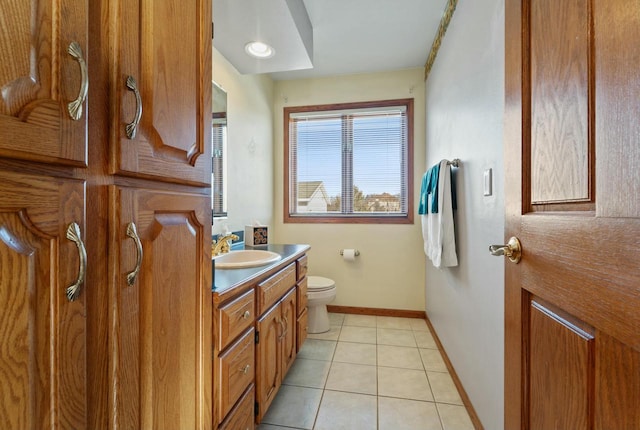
[320, 292]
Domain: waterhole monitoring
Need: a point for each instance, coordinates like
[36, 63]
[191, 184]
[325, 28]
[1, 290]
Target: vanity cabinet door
[162, 84]
[288, 337]
[43, 333]
[161, 320]
[39, 79]
[268, 359]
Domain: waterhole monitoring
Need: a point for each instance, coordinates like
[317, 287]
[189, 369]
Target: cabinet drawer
[302, 329]
[235, 317]
[236, 371]
[272, 290]
[301, 267]
[302, 295]
[242, 416]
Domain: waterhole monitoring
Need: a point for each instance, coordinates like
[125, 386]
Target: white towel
[437, 228]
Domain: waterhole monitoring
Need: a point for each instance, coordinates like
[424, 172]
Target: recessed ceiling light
[259, 50]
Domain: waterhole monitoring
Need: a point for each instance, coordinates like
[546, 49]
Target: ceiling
[318, 38]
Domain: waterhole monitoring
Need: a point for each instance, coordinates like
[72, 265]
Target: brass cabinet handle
[132, 127]
[512, 250]
[132, 232]
[73, 234]
[245, 369]
[246, 315]
[75, 107]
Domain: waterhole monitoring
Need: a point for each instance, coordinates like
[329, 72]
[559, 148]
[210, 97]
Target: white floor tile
[358, 334]
[432, 360]
[335, 318]
[454, 417]
[424, 339]
[400, 414]
[418, 324]
[394, 322]
[353, 378]
[443, 388]
[347, 411]
[308, 373]
[391, 336]
[357, 353]
[399, 356]
[360, 320]
[404, 384]
[314, 349]
[294, 407]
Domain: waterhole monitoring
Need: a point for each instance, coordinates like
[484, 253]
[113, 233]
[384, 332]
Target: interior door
[572, 328]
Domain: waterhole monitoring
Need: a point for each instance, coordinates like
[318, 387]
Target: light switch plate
[488, 176]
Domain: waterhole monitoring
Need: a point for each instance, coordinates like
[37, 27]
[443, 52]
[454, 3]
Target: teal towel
[429, 186]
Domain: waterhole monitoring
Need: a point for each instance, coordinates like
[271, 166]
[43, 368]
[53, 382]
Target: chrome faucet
[222, 246]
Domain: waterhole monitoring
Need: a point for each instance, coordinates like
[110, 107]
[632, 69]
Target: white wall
[465, 104]
[390, 270]
[250, 146]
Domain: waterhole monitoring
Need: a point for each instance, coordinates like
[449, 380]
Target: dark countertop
[226, 279]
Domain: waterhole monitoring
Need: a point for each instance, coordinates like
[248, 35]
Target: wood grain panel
[617, 385]
[560, 372]
[617, 90]
[302, 265]
[560, 136]
[302, 330]
[236, 372]
[174, 78]
[235, 317]
[302, 295]
[39, 78]
[288, 337]
[272, 289]
[42, 334]
[162, 324]
[242, 416]
[268, 359]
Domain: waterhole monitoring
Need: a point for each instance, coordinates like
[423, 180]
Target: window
[349, 162]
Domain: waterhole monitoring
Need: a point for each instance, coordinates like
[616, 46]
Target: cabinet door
[42, 333]
[161, 320]
[288, 337]
[165, 46]
[39, 79]
[268, 359]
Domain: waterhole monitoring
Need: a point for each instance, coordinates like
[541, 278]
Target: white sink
[245, 258]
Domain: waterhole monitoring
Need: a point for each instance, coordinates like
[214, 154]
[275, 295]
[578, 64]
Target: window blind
[349, 162]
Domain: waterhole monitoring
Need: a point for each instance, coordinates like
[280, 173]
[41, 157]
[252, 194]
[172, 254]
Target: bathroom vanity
[259, 317]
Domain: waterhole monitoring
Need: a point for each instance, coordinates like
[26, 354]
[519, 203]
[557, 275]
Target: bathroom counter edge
[228, 280]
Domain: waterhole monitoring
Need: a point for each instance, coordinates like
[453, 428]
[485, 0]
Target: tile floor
[368, 373]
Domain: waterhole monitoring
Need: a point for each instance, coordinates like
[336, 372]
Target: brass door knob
[512, 250]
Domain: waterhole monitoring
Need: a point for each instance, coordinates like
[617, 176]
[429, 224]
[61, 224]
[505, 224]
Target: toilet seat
[319, 283]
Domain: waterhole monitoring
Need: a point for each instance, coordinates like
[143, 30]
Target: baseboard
[375, 311]
[463, 394]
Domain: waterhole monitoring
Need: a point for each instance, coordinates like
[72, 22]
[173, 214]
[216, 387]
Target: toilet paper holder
[356, 253]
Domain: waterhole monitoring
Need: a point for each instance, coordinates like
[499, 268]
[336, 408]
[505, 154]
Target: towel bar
[455, 162]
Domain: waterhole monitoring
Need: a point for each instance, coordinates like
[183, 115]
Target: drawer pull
[246, 315]
[245, 369]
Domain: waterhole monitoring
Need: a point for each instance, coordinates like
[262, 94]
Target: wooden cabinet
[269, 303]
[302, 298]
[164, 49]
[161, 319]
[39, 79]
[129, 351]
[42, 333]
[276, 350]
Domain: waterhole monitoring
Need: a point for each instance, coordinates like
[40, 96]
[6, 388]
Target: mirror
[219, 152]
